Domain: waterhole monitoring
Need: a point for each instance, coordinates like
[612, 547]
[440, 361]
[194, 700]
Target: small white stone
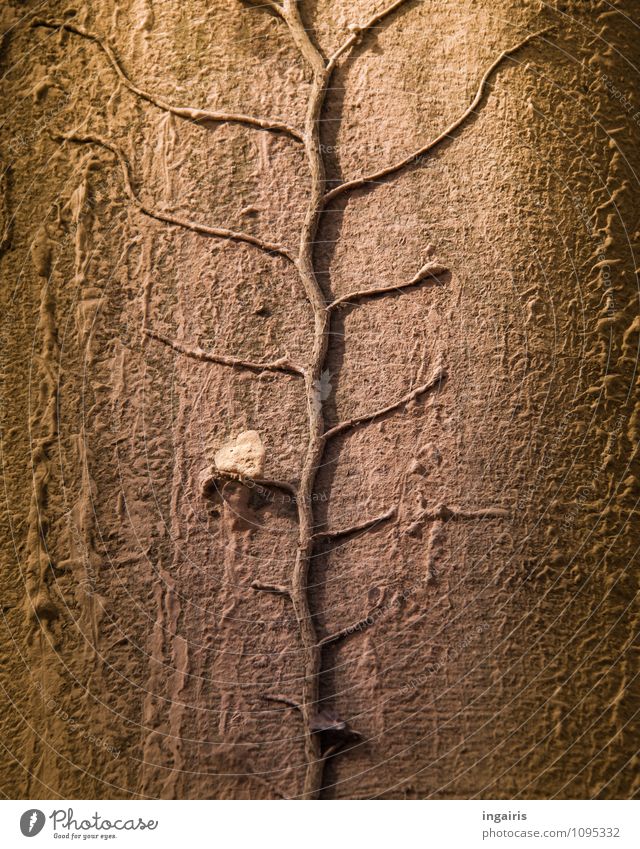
[243, 456]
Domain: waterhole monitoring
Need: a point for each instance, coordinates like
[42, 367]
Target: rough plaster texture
[500, 657]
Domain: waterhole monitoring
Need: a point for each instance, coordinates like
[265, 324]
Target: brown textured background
[512, 671]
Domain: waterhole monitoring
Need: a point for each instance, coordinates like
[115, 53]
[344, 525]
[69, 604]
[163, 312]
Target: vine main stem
[314, 771]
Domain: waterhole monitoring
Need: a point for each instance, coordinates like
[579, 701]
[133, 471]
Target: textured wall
[499, 657]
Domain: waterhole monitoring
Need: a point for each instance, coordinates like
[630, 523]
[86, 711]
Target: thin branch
[300, 598]
[284, 700]
[446, 514]
[187, 113]
[482, 513]
[211, 476]
[362, 526]
[165, 217]
[431, 271]
[349, 630]
[274, 589]
[290, 14]
[435, 382]
[358, 30]
[6, 225]
[446, 134]
[283, 364]
[289, 488]
[288, 11]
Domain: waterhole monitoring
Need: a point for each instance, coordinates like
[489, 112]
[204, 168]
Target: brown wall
[500, 661]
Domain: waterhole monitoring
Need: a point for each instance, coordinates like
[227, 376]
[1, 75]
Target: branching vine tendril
[319, 435]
